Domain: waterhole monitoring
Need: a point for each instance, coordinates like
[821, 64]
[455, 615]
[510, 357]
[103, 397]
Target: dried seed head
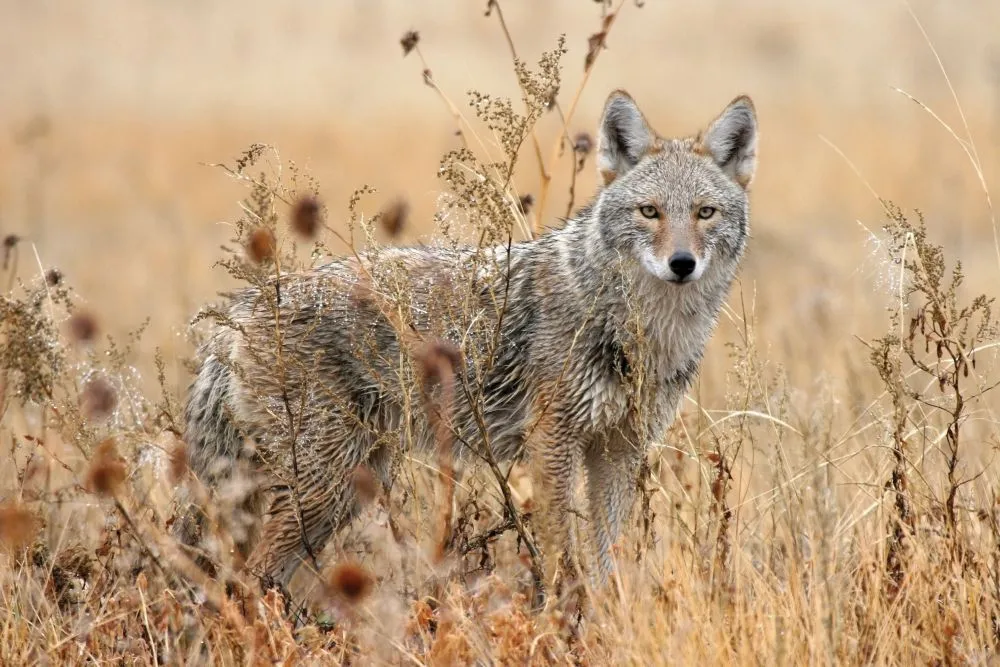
[107, 470]
[179, 462]
[553, 97]
[9, 243]
[365, 485]
[439, 361]
[409, 41]
[306, 217]
[18, 526]
[53, 277]
[98, 399]
[718, 489]
[595, 43]
[82, 327]
[524, 203]
[350, 582]
[394, 217]
[261, 245]
[583, 143]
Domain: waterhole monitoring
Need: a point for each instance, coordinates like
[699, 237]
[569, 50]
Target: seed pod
[409, 41]
[261, 246]
[306, 217]
[98, 399]
[583, 143]
[107, 470]
[524, 204]
[18, 526]
[394, 217]
[179, 463]
[82, 327]
[350, 582]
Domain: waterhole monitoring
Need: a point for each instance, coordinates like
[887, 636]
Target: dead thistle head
[179, 463]
[583, 143]
[107, 470]
[306, 215]
[394, 217]
[18, 526]
[98, 399]
[409, 41]
[9, 243]
[524, 203]
[82, 327]
[350, 582]
[261, 245]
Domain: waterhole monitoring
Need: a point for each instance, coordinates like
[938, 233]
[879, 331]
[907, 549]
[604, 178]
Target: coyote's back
[574, 349]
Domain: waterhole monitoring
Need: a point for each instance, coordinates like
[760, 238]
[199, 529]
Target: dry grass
[829, 494]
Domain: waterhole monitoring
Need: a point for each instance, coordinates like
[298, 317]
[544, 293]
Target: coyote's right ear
[731, 140]
[624, 137]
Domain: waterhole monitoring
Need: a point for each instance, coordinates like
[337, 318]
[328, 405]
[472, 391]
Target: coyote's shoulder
[576, 347]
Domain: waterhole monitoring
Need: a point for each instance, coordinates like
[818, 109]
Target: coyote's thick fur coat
[594, 332]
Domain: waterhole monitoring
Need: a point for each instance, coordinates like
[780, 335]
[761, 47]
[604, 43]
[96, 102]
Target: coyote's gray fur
[597, 331]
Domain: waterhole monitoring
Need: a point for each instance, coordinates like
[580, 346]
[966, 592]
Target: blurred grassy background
[110, 107]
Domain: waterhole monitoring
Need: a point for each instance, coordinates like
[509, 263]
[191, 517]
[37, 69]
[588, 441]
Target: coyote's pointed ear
[731, 140]
[623, 137]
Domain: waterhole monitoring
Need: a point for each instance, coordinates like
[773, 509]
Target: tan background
[109, 108]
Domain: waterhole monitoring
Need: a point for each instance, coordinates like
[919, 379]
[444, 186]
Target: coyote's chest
[640, 379]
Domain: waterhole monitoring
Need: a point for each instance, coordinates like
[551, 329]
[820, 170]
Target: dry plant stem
[543, 194]
[179, 562]
[513, 515]
[439, 413]
[253, 182]
[969, 146]
[494, 6]
[289, 416]
[576, 166]
[455, 113]
[935, 325]
[10, 250]
[535, 556]
[952, 328]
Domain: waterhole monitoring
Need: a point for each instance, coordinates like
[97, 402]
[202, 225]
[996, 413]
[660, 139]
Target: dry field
[830, 492]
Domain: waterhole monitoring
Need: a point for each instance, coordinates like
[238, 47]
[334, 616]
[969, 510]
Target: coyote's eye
[706, 212]
[649, 212]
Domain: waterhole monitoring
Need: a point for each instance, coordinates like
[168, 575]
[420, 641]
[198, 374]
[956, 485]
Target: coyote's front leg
[555, 451]
[612, 470]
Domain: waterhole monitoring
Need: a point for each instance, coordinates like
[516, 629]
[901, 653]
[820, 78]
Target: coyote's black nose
[682, 264]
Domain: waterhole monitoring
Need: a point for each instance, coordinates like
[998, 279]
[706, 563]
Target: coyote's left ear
[731, 140]
[623, 137]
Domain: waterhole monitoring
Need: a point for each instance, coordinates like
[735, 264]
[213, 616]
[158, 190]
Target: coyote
[587, 339]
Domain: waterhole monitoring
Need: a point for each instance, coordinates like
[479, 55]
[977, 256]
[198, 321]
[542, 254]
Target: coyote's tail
[214, 443]
[215, 447]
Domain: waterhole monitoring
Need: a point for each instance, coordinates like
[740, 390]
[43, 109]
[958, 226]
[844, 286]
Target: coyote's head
[676, 206]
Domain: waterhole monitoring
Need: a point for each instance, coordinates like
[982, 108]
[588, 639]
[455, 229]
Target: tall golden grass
[829, 492]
